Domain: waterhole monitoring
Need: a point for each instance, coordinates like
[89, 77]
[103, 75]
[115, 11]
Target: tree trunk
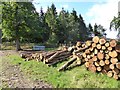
[17, 44]
[17, 31]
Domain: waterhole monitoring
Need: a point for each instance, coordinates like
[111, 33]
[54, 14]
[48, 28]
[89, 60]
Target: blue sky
[80, 7]
[91, 10]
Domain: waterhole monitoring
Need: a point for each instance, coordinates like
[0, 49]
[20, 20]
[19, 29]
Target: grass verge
[78, 77]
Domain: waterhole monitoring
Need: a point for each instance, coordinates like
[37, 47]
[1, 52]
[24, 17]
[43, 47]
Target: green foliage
[51, 20]
[20, 20]
[115, 24]
[22, 23]
[78, 77]
[97, 30]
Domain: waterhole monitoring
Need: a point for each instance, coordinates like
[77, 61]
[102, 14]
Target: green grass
[77, 77]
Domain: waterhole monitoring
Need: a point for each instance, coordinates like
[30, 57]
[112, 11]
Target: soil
[13, 77]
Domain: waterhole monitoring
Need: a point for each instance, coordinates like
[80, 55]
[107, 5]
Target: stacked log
[49, 58]
[102, 56]
[98, 55]
[76, 58]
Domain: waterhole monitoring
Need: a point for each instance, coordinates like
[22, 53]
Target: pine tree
[51, 20]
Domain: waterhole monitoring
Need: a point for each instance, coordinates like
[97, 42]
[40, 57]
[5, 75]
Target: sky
[92, 11]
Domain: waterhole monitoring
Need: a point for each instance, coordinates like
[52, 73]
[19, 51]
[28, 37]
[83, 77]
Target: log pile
[102, 56]
[49, 58]
[76, 58]
[98, 55]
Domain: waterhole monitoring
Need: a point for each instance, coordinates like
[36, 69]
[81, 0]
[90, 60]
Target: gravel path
[13, 77]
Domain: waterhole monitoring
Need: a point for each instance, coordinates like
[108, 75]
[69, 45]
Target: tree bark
[18, 44]
[67, 64]
[17, 30]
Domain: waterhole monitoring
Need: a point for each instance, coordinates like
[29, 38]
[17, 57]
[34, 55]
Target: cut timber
[28, 58]
[94, 58]
[53, 56]
[115, 76]
[92, 68]
[100, 56]
[25, 55]
[103, 47]
[109, 48]
[91, 48]
[102, 41]
[22, 55]
[113, 43]
[56, 61]
[83, 45]
[74, 64]
[47, 54]
[93, 45]
[78, 61]
[103, 71]
[102, 63]
[116, 71]
[92, 54]
[71, 49]
[107, 44]
[107, 56]
[88, 56]
[86, 59]
[111, 66]
[78, 44]
[118, 65]
[91, 61]
[57, 54]
[79, 55]
[99, 69]
[87, 64]
[109, 73]
[80, 49]
[119, 75]
[101, 51]
[95, 51]
[106, 67]
[67, 64]
[96, 63]
[88, 43]
[98, 46]
[95, 39]
[87, 51]
[107, 62]
[113, 54]
[106, 51]
[84, 55]
[117, 48]
[114, 60]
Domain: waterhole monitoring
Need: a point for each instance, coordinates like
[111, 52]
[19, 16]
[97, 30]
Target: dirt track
[13, 77]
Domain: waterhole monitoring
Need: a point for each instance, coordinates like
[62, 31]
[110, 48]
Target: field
[77, 77]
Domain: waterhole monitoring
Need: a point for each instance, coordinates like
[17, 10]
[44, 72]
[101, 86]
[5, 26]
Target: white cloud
[103, 13]
[64, 6]
[38, 9]
[58, 10]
